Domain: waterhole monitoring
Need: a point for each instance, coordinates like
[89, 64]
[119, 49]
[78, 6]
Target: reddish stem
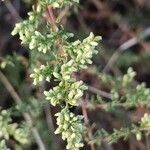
[52, 20]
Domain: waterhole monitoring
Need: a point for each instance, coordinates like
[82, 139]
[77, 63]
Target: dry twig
[86, 121]
[125, 46]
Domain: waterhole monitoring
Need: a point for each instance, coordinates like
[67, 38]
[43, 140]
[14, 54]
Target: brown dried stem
[86, 121]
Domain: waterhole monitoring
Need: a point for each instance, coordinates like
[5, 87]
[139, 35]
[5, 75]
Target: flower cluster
[27, 28]
[44, 72]
[69, 92]
[11, 129]
[144, 126]
[46, 42]
[128, 78]
[145, 121]
[71, 128]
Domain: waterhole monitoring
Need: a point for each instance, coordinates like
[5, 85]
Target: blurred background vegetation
[125, 30]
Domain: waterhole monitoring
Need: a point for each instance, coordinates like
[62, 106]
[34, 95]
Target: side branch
[27, 116]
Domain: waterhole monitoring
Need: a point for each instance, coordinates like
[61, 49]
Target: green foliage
[133, 95]
[65, 59]
[55, 57]
[137, 130]
[8, 60]
[11, 129]
[125, 94]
